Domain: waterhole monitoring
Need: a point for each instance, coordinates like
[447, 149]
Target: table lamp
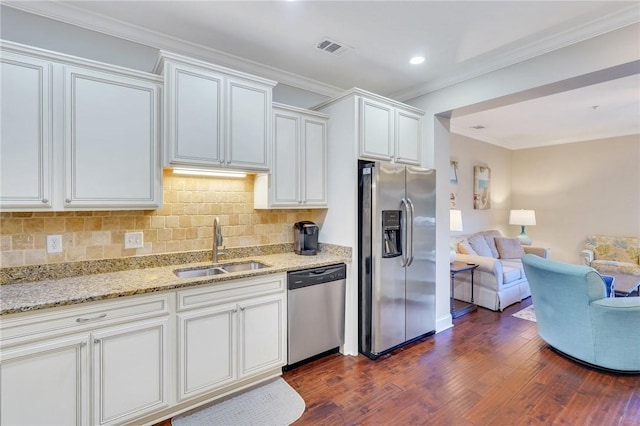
[523, 218]
[455, 224]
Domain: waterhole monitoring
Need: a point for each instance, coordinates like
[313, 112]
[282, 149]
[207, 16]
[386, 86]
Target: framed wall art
[453, 184]
[481, 188]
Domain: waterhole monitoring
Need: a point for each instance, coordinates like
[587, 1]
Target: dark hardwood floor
[490, 369]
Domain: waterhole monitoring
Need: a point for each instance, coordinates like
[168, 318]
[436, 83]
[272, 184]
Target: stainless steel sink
[216, 270]
[245, 266]
[200, 272]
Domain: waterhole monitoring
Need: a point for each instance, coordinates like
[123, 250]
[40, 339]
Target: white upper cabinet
[389, 132]
[299, 175]
[193, 116]
[214, 116]
[77, 134]
[408, 137]
[26, 133]
[384, 129]
[110, 144]
[376, 130]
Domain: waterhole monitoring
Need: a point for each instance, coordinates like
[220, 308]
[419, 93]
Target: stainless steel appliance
[305, 238]
[396, 255]
[315, 312]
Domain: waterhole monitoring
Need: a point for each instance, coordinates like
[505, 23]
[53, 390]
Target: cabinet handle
[81, 320]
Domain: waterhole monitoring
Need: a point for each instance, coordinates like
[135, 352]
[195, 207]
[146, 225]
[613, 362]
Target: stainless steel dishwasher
[315, 312]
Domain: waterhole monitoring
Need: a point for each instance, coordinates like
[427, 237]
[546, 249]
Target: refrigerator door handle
[405, 225]
[410, 245]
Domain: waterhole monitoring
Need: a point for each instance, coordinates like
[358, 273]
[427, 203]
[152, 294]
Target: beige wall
[469, 153]
[183, 224]
[577, 190]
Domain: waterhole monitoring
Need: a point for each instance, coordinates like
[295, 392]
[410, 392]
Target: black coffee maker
[305, 237]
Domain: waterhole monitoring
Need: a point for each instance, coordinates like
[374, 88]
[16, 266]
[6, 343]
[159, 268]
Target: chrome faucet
[217, 239]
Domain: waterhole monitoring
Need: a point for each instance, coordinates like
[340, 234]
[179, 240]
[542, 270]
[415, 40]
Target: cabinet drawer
[23, 326]
[230, 291]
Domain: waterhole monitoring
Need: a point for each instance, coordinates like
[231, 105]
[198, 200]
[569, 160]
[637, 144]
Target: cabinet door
[285, 175]
[193, 116]
[130, 371]
[26, 136]
[248, 125]
[111, 141]
[376, 130]
[408, 137]
[45, 384]
[262, 342]
[206, 350]
[314, 164]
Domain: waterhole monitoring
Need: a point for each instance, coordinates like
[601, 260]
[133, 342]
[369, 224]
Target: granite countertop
[30, 296]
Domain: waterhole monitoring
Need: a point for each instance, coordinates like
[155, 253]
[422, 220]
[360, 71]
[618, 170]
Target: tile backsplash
[183, 224]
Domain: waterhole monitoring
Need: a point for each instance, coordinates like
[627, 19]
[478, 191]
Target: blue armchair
[575, 317]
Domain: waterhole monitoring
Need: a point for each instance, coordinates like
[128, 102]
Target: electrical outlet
[133, 240]
[54, 243]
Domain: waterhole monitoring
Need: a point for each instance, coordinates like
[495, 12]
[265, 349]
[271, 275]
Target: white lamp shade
[455, 220]
[522, 217]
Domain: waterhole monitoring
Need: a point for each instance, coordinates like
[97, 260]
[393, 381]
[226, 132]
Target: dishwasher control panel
[307, 277]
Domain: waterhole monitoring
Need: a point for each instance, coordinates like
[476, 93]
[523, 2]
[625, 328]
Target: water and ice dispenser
[391, 244]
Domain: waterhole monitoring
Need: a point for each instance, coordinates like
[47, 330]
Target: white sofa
[498, 281]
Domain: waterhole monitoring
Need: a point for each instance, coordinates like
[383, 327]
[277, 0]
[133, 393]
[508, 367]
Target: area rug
[274, 403]
[527, 313]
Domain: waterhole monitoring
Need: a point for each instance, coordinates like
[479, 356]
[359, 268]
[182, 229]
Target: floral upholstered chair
[613, 254]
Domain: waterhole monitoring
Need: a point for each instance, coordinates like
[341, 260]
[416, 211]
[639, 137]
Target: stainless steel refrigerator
[396, 255]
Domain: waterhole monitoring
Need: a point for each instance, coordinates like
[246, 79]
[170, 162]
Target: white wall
[577, 190]
[38, 31]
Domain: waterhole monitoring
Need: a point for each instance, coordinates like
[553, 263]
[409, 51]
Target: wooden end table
[458, 307]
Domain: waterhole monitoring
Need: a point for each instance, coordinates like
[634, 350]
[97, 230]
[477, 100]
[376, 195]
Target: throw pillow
[465, 248]
[509, 248]
[479, 245]
[490, 237]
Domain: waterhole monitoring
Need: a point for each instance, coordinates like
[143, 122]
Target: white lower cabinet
[106, 364]
[130, 371]
[232, 333]
[135, 359]
[262, 343]
[45, 383]
[207, 349]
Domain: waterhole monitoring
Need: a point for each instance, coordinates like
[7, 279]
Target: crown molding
[608, 23]
[64, 12]
[69, 14]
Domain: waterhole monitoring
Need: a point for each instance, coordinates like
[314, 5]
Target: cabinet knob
[242, 308]
[96, 341]
[45, 200]
[67, 200]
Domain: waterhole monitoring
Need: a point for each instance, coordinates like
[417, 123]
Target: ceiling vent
[332, 47]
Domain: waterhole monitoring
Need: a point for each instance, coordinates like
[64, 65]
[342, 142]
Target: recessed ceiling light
[416, 60]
